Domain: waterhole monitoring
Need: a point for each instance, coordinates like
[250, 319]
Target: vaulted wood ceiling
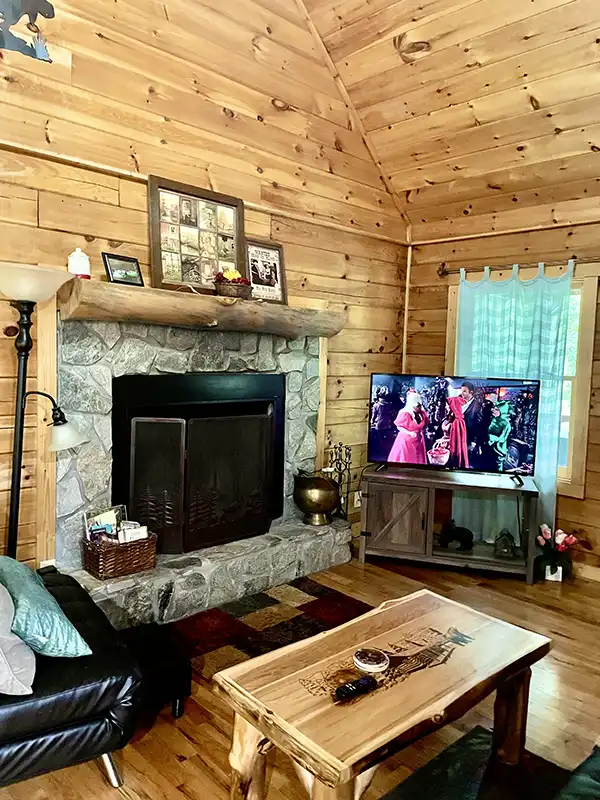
[484, 114]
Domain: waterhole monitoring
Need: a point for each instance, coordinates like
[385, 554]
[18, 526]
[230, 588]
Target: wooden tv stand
[398, 517]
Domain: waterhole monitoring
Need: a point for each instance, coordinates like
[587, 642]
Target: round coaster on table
[370, 659]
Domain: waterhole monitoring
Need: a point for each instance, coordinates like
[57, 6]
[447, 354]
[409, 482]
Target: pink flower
[561, 547]
[559, 537]
[570, 540]
[541, 541]
[546, 532]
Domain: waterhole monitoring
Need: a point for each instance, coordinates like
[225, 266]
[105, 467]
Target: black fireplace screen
[199, 461]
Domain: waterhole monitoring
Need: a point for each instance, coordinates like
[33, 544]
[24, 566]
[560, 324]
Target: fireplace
[245, 406]
[96, 358]
[199, 458]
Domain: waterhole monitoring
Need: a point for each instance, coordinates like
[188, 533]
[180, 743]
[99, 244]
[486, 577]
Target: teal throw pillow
[39, 621]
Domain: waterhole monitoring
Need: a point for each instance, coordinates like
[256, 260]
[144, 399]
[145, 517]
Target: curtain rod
[444, 270]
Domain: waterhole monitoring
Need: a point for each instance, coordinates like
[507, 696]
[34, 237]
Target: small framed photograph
[266, 271]
[194, 233]
[123, 269]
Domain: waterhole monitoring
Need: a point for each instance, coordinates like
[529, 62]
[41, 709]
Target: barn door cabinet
[398, 512]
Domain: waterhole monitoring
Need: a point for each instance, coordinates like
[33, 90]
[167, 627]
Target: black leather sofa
[81, 708]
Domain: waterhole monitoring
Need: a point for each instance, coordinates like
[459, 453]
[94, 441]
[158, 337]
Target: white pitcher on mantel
[79, 264]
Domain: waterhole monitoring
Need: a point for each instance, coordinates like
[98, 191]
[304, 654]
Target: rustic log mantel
[98, 300]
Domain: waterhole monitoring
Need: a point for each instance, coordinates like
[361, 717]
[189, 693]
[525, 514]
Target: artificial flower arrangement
[554, 553]
[231, 283]
[231, 276]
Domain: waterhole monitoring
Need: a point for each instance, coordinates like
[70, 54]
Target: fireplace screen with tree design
[199, 473]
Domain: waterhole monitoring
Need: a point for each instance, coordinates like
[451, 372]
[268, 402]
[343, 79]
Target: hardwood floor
[188, 758]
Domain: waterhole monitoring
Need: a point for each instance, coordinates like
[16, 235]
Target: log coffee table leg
[510, 718]
[248, 763]
[343, 792]
[354, 790]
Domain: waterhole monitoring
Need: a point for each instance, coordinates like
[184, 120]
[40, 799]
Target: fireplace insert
[199, 457]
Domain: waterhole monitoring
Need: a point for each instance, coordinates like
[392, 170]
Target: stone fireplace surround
[90, 354]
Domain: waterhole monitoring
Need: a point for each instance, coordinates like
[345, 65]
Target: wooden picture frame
[114, 261]
[194, 234]
[264, 255]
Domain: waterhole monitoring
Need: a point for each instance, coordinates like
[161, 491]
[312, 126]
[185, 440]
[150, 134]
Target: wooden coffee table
[455, 657]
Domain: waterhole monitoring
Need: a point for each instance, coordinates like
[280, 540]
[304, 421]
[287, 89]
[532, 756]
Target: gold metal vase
[317, 496]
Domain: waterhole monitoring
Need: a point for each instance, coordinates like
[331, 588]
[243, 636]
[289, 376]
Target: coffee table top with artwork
[453, 657]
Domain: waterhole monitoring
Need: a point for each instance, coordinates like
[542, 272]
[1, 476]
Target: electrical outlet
[357, 499]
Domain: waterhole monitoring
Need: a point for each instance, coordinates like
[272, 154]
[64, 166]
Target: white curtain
[516, 329]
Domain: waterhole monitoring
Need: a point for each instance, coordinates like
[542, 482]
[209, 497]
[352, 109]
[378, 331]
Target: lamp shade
[65, 436]
[28, 282]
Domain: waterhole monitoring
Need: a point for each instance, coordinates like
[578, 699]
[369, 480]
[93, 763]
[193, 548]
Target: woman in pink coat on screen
[409, 446]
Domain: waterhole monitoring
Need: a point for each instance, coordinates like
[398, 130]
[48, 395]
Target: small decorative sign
[195, 235]
[266, 271]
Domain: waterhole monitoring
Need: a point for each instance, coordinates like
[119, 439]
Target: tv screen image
[480, 424]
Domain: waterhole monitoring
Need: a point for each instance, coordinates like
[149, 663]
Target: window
[566, 418]
[577, 385]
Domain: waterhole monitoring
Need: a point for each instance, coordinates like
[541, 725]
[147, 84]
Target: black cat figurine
[453, 533]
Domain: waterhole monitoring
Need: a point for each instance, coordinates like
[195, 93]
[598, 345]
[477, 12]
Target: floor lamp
[25, 285]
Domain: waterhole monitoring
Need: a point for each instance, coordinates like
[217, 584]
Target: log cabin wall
[485, 117]
[234, 98]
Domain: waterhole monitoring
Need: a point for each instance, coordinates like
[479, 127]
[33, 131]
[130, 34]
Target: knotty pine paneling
[484, 116]
[243, 104]
[427, 314]
[50, 208]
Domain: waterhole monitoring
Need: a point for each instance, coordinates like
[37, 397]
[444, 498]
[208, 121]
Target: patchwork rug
[224, 636]
[463, 772]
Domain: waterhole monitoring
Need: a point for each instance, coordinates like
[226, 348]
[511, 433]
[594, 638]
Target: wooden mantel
[98, 300]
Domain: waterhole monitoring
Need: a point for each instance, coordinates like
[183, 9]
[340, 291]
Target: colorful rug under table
[464, 771]
[224, 636]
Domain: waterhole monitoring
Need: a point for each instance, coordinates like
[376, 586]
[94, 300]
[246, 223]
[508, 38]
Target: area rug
[224, 636]
[462, 772]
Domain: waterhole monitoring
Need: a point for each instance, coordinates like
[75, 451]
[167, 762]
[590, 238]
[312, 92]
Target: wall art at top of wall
[11, 11]
[194, 235]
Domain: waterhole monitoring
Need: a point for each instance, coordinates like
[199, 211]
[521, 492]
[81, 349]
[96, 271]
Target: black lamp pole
[23, 345]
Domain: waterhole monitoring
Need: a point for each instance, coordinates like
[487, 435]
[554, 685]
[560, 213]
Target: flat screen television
[480, 424]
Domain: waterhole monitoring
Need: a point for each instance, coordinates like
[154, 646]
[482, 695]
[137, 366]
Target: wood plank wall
[427, 313]
[234, 97]
[48, 208]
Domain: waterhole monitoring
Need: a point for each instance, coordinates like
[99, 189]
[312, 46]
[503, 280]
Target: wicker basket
[106, 560]
[234, 290]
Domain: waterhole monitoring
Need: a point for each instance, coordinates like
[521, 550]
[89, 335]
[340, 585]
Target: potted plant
[553, 561]
[231, 283]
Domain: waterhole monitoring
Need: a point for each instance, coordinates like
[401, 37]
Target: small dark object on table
[352, 689]
[451, 532]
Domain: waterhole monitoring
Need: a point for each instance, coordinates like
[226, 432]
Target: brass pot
[316, 496]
